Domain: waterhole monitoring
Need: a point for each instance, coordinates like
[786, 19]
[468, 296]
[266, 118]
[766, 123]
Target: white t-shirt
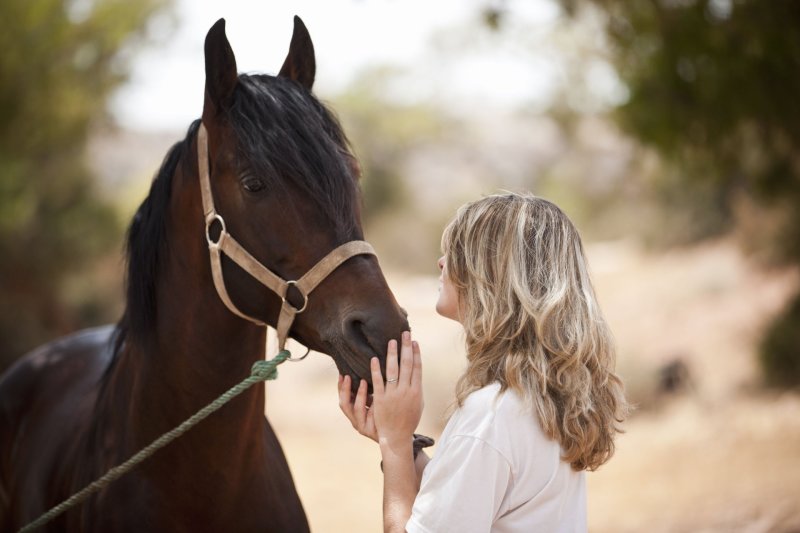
[495, 470]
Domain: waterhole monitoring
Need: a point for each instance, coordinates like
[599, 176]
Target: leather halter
[226, 244]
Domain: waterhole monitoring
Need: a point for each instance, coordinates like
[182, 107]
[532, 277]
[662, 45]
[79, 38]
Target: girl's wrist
[418, 443]
[396, 444]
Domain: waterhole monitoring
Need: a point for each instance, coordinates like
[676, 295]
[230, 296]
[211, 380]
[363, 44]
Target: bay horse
[284, 178]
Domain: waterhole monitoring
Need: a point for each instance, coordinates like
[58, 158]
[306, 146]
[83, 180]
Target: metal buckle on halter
[304, 295]
[223, 230]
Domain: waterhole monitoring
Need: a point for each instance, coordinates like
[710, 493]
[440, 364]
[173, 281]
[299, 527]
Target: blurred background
[668, 130]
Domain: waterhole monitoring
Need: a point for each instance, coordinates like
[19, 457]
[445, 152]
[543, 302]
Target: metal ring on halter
[210, 220]
[305, 298]
[298, 359]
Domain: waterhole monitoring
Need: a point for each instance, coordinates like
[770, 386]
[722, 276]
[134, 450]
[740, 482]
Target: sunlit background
[668, 130]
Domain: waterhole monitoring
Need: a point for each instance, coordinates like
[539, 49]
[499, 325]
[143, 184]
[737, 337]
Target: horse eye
[252, 184]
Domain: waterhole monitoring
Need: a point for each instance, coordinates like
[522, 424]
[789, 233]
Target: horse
[281, 173]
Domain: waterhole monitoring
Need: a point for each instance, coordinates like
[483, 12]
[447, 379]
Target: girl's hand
[397, 405]
[357, 409]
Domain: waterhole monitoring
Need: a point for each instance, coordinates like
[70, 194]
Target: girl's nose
[440, 262]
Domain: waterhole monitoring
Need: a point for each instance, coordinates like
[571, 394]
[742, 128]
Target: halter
[226, 244]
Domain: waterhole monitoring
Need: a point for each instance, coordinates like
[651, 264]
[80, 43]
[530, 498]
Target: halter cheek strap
[226, 244]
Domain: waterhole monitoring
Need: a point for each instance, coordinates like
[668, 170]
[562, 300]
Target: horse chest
[205, 503]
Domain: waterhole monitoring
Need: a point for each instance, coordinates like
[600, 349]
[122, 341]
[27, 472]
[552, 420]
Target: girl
[539, 403]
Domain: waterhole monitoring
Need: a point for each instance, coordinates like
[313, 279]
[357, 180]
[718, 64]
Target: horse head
[284, 179]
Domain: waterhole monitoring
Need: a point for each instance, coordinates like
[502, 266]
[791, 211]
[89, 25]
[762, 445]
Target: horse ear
[221, 75]
[300, 65]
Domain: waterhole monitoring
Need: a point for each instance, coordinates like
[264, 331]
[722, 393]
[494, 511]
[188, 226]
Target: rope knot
[268, 370]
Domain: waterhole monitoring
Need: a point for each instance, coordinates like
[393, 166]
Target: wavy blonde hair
[533, 323]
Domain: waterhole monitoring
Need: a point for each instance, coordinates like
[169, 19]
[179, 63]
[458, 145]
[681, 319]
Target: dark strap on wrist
[420, 442]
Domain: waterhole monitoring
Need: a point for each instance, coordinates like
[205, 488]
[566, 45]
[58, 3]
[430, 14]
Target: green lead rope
[261, 371]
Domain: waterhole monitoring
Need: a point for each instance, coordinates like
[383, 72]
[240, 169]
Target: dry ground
[722, 456]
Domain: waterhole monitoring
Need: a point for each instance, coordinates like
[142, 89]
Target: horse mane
[146, 243]
[277, 124]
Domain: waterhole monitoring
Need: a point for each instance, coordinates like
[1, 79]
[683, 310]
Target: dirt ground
[722, 455]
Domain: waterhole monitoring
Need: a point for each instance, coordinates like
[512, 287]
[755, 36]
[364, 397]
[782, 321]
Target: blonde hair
[533, 323]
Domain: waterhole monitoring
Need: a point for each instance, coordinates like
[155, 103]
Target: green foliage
[780, 349]
[713, 86]
[59, 62]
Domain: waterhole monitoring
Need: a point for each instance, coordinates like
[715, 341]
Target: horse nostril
[355, 332]
[365, 333]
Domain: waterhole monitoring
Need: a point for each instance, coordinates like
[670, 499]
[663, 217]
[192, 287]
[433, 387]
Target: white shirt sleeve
[462, 489]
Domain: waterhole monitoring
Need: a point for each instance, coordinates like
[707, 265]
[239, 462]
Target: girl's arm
[397, 408]
[400, 485]
[395, 412]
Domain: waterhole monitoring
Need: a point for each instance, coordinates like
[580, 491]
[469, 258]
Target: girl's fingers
[392, 372]
[360, 405]
[406, 359]
[344, 397]
[377, 378]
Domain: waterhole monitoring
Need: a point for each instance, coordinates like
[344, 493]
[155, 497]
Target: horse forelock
[285, 135]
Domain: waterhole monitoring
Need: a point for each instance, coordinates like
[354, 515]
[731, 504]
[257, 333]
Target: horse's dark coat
[283, 178]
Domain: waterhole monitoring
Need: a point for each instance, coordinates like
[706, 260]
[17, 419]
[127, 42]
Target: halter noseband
[226, 244]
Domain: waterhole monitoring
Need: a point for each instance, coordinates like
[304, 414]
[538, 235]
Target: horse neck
[199, 349]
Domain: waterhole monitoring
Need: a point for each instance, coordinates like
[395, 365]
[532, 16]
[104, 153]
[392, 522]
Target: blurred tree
[59, 62]
[713, 86]
[383, 133]
[387, 129]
